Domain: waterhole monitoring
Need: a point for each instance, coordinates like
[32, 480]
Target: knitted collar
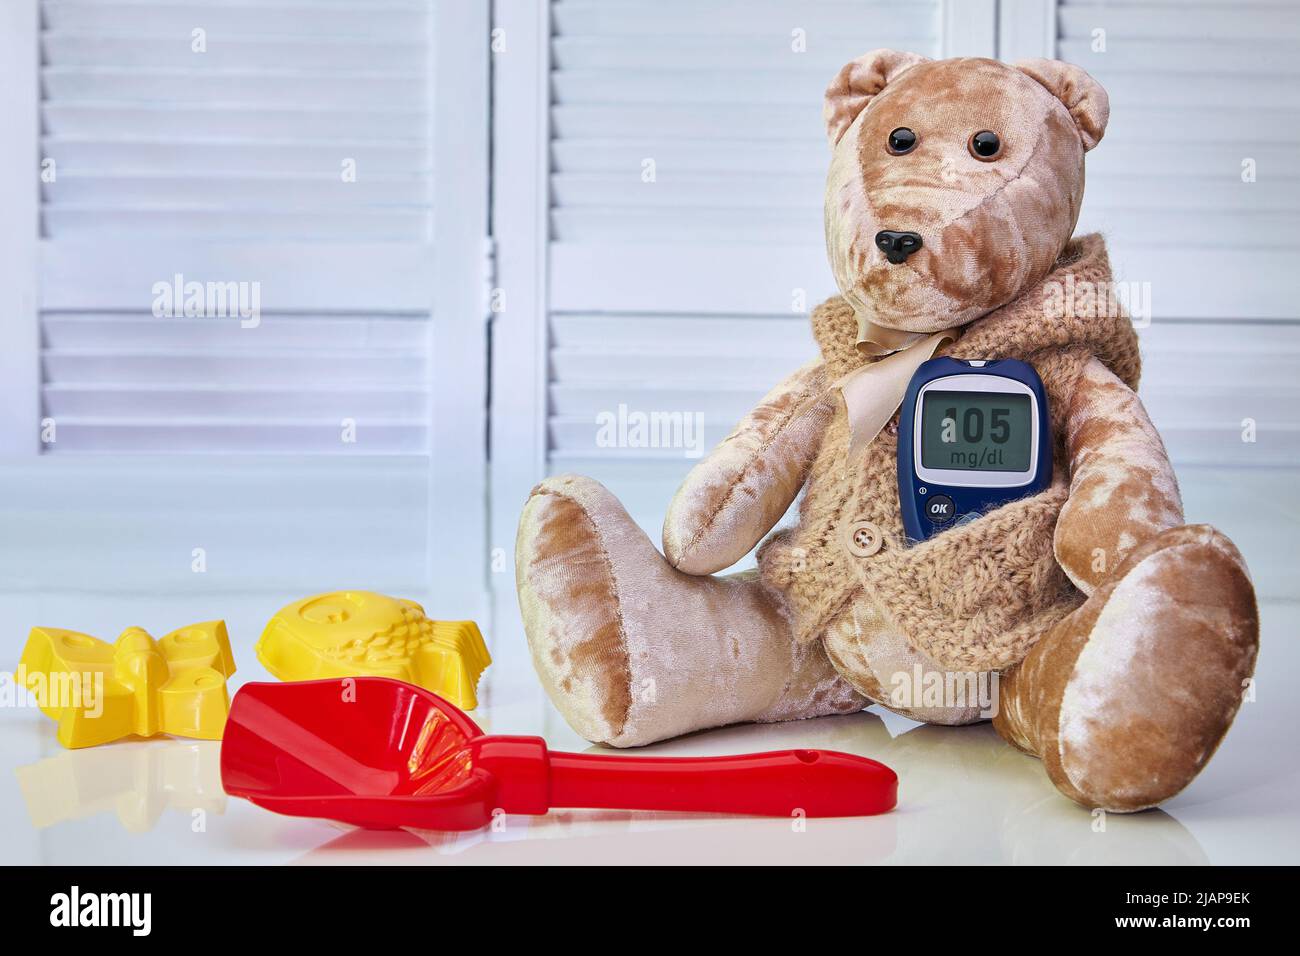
[1074, 307]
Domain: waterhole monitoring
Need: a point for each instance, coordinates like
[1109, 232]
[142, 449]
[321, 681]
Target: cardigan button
[864, 539]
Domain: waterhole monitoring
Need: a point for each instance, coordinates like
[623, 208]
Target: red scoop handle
[812, 783]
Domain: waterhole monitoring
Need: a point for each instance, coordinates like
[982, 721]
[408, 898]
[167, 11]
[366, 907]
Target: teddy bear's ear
[856, 84]
[1083, 96]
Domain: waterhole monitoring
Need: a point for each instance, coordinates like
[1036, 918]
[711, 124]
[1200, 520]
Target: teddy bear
[1116, 640]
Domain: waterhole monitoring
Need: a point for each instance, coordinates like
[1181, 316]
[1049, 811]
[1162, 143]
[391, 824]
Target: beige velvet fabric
[1122, 488]
[1122, 637]
[990, 229]
[1128, 698]
[632, 650]
[1079, 93]
[734, 495]
[856, 84]
[879, 661]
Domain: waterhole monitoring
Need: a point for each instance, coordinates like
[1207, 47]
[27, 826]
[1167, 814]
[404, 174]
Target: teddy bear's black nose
[897, 246]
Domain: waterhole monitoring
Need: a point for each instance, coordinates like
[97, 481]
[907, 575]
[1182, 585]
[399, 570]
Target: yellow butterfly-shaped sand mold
[138, 686]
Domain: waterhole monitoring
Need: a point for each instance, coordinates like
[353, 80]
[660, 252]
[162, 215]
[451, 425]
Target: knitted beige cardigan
[976, 597]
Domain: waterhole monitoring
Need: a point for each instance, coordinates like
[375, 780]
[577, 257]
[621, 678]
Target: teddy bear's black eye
[985, 144]
[901, 140]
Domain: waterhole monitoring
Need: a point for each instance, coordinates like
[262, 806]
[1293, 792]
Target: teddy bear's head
[954, 184]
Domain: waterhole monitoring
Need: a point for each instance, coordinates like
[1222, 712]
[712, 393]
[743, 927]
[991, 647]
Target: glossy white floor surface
[966, 797]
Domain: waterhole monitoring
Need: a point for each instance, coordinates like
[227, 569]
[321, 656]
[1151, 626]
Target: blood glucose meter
[972, 435]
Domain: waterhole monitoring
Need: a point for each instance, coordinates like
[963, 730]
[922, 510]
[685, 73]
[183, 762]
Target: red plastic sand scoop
[379, 753]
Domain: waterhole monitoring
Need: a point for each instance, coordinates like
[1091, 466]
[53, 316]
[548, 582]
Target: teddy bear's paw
[1139, 686]
[632, 651]
[568, 596]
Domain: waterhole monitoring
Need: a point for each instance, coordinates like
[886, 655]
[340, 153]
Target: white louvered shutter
[1203, 94]
[234, 164]
[688, 164]
[1199, 92]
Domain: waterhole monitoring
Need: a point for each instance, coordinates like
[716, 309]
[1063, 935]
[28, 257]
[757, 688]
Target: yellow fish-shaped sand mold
[364, 634]
[97, 692]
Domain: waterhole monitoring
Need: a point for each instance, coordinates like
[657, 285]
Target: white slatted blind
[694, 362]
[688, 165]
[654, 362]
[676, 292]
[724, 99]
[120, 382]
[1198, 89]
[668, 363]
[294, 151]
[245, 139]
[716, 366]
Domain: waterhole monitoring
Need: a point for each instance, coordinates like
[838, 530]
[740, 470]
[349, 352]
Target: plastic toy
[139, 686]
[361, 633]
[381, 754]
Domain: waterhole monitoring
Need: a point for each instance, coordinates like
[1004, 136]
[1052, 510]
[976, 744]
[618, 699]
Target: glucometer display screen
[976, 431]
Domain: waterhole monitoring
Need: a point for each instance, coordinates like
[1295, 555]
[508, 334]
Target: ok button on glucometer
[939, 509]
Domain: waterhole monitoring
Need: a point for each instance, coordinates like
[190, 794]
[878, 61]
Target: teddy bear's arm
[735, 495]
[1122, 488]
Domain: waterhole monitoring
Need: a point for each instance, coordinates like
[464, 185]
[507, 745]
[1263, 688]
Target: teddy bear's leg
[632, 650]
[1126, 699]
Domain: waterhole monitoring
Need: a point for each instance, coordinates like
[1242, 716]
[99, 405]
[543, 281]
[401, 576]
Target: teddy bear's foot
[632, 650]
[1127, 698]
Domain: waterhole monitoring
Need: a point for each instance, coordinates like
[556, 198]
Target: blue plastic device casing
[968, 502]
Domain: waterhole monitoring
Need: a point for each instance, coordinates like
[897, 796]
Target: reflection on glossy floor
[965, 796]
[97, 556]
